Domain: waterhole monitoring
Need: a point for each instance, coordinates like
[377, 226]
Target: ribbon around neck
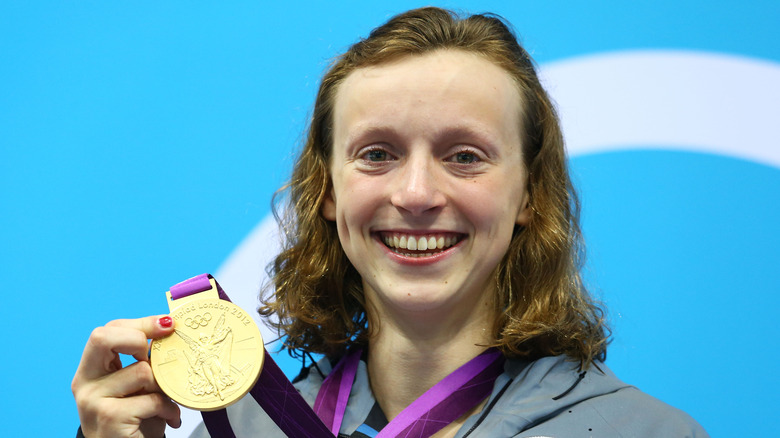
[444, 403]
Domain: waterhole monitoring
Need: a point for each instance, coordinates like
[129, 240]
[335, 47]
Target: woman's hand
[123, 402]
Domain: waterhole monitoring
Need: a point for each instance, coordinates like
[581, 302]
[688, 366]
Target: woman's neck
[409, 356]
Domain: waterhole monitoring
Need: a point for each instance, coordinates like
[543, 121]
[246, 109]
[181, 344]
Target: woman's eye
[376, 155]
[465, 158]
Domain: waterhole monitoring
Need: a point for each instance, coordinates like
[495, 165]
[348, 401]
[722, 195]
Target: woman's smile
[418, 248]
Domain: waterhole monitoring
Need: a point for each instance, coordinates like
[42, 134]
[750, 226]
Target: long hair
[542, 305]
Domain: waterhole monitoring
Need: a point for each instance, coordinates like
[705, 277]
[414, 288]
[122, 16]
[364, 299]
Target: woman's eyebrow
[363, 133]
[472, 134]
[452, 132]
[470, 131]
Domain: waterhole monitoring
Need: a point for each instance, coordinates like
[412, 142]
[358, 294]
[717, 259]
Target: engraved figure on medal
[209, 364]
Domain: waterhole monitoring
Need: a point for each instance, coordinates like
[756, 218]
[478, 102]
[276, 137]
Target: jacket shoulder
[552, 397]
[630, 412]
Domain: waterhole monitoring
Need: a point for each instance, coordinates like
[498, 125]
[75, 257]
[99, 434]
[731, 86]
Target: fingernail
[165, 322]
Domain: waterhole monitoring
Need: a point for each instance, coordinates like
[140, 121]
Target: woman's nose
[418, 188]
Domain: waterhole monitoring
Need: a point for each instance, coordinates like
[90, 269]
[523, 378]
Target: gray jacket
[543, 398]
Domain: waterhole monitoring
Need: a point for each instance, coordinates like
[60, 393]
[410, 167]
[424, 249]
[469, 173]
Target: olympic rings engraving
[198, 321]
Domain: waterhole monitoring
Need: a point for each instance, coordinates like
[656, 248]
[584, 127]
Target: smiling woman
[432, 257]
[422, 114]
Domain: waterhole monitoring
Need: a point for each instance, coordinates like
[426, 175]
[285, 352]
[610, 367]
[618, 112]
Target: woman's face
[428, 179]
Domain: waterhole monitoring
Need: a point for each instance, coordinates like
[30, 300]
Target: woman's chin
[425, 304]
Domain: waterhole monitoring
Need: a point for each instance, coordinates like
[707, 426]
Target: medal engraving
[214, 356]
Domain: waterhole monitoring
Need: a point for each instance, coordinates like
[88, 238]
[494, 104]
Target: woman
[431, 218]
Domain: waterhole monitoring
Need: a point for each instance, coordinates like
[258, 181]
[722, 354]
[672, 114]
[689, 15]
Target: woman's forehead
[446, 87]
[441, 68]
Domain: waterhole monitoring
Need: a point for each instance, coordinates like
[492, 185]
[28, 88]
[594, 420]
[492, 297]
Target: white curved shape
[242, 275]
[710, 103]
[703, 102]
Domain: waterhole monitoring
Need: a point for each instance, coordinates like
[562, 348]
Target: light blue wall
[140, 142]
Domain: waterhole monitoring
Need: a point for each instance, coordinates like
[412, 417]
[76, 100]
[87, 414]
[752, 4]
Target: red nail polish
[165, 322]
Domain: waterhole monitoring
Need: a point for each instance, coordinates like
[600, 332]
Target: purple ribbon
[445, 402]
[332, 398]
[196, 285]
[282, 402]
[449, 399]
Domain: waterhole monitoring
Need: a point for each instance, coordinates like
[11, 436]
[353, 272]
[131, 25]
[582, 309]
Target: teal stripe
[367, 430]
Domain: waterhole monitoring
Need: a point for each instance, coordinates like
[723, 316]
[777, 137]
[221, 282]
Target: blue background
[141, 142]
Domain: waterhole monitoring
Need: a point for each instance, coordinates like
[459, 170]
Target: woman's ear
[328, 209]
[524, 215]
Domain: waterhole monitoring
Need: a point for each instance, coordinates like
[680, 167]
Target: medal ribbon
[332, 398]
[445, 402]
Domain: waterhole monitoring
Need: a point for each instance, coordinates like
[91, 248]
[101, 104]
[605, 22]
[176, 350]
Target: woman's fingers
[101, 354]
[133, 379]
[152, 326]
[116, 401]
[158, 405]
[126, 336]
[117, 417]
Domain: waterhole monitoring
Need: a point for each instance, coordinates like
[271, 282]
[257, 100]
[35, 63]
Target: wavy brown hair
[542, 306]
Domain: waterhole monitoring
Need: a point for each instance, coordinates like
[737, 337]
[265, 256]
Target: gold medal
[214, 356]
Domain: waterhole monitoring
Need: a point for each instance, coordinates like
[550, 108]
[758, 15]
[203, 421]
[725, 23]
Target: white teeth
[419, 243]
